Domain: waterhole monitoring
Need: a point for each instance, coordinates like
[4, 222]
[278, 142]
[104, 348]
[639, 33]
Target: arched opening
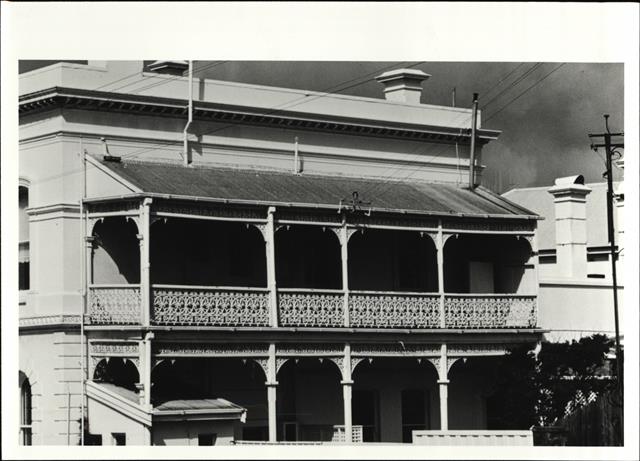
[23, 236]
[208, 253]
[308, 257]
[26, 410]
[488, 264]
[385, 260]
[309, 400]
[116, 255]
[394, 396]
[236, 380]
[472, 398]
[117, 371]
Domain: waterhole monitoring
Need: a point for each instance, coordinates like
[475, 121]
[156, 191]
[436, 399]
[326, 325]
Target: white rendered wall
[186, 433]
[573, 310]
[51, 361]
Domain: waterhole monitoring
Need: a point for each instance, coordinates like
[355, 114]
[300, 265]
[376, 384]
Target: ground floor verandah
[317, 392]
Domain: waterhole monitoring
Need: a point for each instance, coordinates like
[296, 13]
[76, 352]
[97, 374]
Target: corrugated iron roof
[306, 190]
[212, 405]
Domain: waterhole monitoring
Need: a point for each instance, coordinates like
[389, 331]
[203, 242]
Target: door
[415, 412]
[481, 277]
[365, 410]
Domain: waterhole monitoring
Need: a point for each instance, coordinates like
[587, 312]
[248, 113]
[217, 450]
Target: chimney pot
[403, 85]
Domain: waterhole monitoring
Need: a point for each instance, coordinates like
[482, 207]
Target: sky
[544, 109]
[544, 131]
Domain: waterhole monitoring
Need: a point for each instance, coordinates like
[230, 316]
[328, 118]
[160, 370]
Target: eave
[73, 98]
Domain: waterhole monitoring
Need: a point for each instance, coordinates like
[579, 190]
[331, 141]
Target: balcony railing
[489, 311]
[375, 309]
[209, 306]
[311, 308]
[113, 304]
[173, 305]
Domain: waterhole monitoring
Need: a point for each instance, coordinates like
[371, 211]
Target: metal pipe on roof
[185, 133]
[472, 153]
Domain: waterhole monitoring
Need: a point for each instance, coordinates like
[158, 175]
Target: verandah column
[344, 255]
[347, 384]
[145, 264]
[443, 384]
[272, 386]
[271, 267]
[440, 261]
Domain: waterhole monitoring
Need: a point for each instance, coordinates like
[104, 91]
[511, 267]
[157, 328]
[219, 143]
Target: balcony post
[145, 372]
[271, 266]
[272, 386]
[443, 383]
[440, 261]
[344, 255]
[347, 384]
[145, 264]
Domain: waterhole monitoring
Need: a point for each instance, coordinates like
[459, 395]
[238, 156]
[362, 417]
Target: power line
[522, 77]
[444, 149]
[525, 91]
[296, 102]
[302, 100]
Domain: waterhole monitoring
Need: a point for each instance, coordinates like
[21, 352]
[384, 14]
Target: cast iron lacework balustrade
[210, 306]
[394, 310]
[490, 311]
[114, 304]
[311, 308]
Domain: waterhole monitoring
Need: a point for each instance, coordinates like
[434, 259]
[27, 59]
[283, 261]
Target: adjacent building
[576, 286]
[208, 262]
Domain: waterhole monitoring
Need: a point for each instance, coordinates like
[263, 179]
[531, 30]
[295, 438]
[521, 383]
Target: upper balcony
[163, 262]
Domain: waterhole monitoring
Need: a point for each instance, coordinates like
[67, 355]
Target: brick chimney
[403, 85]
[569, 197]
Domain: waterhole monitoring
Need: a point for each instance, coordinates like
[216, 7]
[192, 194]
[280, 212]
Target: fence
[595, 424]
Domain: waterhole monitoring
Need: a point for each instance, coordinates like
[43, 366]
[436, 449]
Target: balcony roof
[260, 187]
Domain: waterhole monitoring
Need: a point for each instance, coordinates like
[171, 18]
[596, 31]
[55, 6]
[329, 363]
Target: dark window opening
[119, 438]
[207, 440]
[25, 413]
[93, 439]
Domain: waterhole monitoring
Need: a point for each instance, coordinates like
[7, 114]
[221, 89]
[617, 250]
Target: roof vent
[403, 85]
[169, 67]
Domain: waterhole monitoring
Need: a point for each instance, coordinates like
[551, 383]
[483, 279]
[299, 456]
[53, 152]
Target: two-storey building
[280, 265]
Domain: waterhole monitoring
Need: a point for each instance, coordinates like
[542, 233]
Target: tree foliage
[532, 390]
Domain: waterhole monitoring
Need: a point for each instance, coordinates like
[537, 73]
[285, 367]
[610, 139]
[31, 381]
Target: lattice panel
[311, 309]
[114, 306]
[215, 307]
[394, 311]
[490, 311]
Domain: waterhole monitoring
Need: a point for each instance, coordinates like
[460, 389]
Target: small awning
[315, 191]
[211, 408]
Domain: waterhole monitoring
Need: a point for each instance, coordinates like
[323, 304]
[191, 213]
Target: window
[25, 413]
[207, 440]
[119, 438]
[23, 233]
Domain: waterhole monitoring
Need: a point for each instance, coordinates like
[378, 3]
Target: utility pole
[610, 149]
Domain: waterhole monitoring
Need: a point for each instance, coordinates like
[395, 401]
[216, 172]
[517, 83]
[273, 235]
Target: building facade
[259, 264]
[576, 285]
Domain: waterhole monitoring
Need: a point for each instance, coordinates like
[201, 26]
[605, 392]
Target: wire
[296, 102]
[525, 91]
[444, 149]
[522, 77]
[293, 103]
